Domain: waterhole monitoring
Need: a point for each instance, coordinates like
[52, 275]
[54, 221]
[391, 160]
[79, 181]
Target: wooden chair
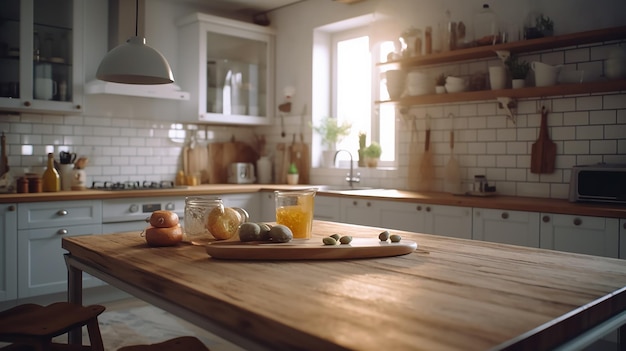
[183, 343]
[31, 326]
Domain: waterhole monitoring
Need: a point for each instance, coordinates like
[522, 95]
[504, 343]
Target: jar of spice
[22, 185]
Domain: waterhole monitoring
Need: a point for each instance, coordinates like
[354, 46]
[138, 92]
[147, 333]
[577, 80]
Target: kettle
[241, 173]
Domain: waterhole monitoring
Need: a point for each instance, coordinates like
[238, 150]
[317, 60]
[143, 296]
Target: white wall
[586, 129]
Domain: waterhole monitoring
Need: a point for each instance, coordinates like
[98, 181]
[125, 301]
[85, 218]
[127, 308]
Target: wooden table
[450, 294]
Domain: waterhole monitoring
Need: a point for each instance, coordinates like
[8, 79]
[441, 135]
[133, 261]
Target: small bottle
[428, 40]
[485, 29]
[180, 178]
[51, 181]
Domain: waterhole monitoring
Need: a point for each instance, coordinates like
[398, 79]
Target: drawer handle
[578, 221]
[504, 215]
[546, 219]
[427, 208]
[419, 208]
[354, 203]
[62, 231]
[369, 204]
[11, 208]
[62, 212]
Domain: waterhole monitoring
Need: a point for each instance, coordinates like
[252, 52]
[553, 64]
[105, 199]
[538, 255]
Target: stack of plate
[419, 83]
[456, 84]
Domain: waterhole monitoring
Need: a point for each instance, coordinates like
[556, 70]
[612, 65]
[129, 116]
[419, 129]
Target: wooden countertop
[496, 202]
[450, 294]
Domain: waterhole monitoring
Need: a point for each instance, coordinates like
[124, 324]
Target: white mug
[497, 77]
[545, 75]
[45, 88]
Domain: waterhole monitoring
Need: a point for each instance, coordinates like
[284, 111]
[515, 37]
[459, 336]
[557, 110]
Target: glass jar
[485, 26]
[196, 213]
[195, 222]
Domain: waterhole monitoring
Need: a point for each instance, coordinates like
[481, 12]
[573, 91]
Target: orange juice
[295, 210]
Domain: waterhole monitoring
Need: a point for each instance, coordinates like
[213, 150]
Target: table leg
[621, 338]
[74, 295]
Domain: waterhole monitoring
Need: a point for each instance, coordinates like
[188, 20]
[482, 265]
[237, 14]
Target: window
[356, 86]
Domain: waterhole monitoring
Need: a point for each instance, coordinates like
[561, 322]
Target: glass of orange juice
[294, 209]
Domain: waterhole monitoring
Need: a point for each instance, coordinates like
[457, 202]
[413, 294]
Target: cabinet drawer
[326, 208]
[62, 213]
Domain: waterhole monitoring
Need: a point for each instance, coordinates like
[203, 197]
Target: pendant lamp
[134, 62]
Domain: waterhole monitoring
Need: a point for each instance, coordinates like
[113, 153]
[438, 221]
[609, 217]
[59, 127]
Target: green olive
[329, 240]
[249, 232]
[395, 238]
[345, 239]
[336, 236]
[383, 236]
[265, 231]
[281, 234]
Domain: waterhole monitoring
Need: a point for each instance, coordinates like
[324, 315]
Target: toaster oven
[601, 182]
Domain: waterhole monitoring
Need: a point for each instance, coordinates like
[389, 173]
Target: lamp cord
[136, 17]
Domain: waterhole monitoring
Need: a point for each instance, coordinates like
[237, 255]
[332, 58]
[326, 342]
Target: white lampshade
[134, 62]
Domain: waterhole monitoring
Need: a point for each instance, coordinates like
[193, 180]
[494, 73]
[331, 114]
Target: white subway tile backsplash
[564, 104]
[506, 161]
[496, 148]
[533, 189]
[602, 117]
[577, 55]
[515, 175]
[576, 118]
[615, 101]
[589, 103]
[576, 147]
[588, 159]
[553, 58]
[607, 147]
[506, 134]
[486, 134]
[527, 134]
[589, 132]
[516, 148]
[560, 191]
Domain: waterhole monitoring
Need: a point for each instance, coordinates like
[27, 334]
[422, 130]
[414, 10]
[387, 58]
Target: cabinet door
[580, 234]
[403, 216]
[249, 202]
[65, 213]
[268, 206]
[228, 70]
[42, 68]
[453, 221]
[8, 248]
[360, 211]
[41, 266]
[326, 208]
[506, 227]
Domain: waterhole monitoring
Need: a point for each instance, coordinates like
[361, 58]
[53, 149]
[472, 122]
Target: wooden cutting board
[543, 153]
[308, 250]
[299, 152]
[221, 155]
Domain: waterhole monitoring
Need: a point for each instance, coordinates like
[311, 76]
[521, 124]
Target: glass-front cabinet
[40, 70]
[227, 67]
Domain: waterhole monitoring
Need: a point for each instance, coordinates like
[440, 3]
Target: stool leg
[95, 338]
[74, 295]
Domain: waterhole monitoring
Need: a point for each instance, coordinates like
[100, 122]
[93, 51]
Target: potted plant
[332, 133]
[538, 26]
[440, 83]
[519, 70]
[292, 174]
[372, 154]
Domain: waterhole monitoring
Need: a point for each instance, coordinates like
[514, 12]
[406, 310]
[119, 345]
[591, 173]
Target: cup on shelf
[396, 82]
[545, 75]
[497, 77]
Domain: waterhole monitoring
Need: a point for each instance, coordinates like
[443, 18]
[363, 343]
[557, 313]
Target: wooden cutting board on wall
[299, 155]
[221, 155]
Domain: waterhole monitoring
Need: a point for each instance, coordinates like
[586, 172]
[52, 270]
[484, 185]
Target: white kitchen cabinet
[506, 227]
[227, 67]
[41, 61]
[580, 234]
[361, 211]
[8, 248]
[326, 208]
[268, 206]
[622, 238]
[41, 227]
[444, 220]
[247, 201]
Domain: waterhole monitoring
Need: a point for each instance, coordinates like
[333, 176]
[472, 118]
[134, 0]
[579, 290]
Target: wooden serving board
[312, 249]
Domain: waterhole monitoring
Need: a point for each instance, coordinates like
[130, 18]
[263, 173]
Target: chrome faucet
[350, 178]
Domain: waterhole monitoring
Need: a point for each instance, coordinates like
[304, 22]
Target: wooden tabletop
[450, 294]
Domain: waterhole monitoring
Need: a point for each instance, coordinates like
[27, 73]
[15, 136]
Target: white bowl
[456, 88]
[455, 80]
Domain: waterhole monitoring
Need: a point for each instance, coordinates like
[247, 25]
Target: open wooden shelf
[530, 92]
[478, 52]
[559, 41]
